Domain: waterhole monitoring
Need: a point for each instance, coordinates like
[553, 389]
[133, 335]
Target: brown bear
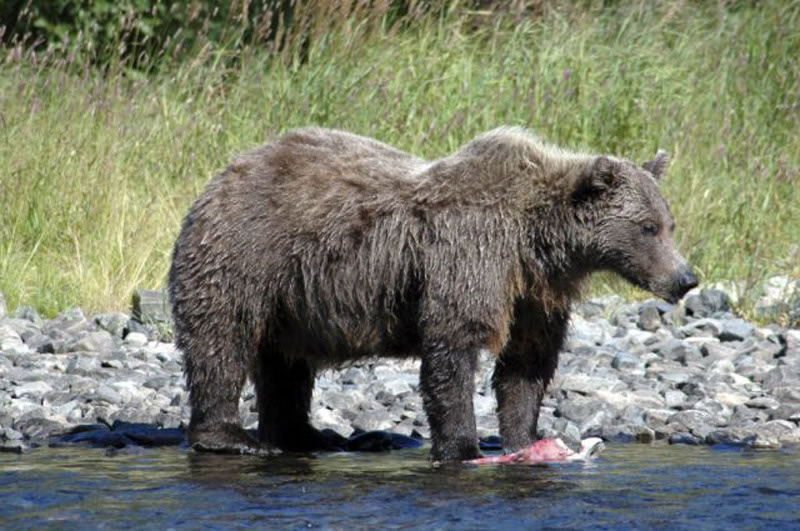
[324, 247]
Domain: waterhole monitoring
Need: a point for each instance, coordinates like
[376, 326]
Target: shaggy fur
[324, 247]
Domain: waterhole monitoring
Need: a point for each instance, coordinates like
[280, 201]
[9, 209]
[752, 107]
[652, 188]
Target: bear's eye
[649, 229]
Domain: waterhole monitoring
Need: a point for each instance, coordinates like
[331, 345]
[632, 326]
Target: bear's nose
[687, 281]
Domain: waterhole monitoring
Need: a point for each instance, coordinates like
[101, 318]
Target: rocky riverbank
[690, 374]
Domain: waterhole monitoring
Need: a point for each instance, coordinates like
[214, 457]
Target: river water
[627, 486]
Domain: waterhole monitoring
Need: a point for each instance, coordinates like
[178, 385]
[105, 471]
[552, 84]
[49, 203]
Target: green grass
[97, 168]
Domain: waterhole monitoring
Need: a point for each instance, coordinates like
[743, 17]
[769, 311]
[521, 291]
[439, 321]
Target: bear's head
[628, 227]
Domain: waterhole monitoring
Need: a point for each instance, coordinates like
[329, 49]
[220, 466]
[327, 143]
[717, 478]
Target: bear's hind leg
[283, 388]
[214, 394]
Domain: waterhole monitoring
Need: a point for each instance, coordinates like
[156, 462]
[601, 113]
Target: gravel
[647, 372]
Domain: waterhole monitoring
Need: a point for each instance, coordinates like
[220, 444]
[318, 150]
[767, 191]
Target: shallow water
[627, 486]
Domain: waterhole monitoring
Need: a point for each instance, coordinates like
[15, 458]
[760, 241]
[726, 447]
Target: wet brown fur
[324, 247]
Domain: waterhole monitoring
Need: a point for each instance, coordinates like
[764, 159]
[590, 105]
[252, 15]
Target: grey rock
[679, 351]
[327, 418]
[83, 364]
[683, 437]
[397, 387]
[484, 405]
[14, 447]
[699, 423]
[718, 351]
[762, 402]
[10, 434]
[157, 382]
[567, 431]
[590, 331]
[372, 421]
[579, 409]
[649, 317]
[41, 343]
[631, 415]
[487, 425]
[29, 314]
[779, 377]
[643, 434]
[592, 425]
[113, 323]
[100, 341]
[720, 413]
[706, 327]
[707, 302]
[675, 399]
[721, 367]
[735, 330]
[647, 398]
[3, 310]
[789, 394]
[108, 394]
[150, 306]
[732, 437]
[39, 428]
[9, 338]
[34, 389]
[790, 412]
[590, 309]
[70, 322]
[404, 427]
[150, 331]
[769, 434]
[354, 376]
[792, 343]
[767, 351]
[675, 377]
[627, 361]
[589, 385]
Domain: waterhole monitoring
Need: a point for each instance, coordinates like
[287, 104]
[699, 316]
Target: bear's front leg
[524, 370]
[447, 383]
[519, 391]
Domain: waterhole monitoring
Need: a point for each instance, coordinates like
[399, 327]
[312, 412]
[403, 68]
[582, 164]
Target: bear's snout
[684, 282]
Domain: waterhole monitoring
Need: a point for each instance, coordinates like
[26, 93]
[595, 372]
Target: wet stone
[39, 428]
[683, 437]
[696, 422]
[732, 437]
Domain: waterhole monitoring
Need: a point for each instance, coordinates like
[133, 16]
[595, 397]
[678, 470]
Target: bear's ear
[658, 165]
[595, 179]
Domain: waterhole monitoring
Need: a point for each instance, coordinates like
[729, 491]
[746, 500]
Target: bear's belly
[333, 343]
